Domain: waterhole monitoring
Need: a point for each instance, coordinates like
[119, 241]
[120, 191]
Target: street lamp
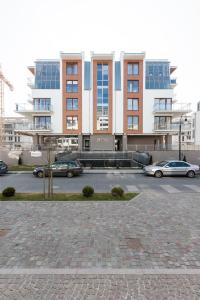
[179, 148]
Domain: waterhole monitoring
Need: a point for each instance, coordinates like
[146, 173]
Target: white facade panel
[56, 103]
[197, 128]
[118, 112]
[148, 106]
[86, 112]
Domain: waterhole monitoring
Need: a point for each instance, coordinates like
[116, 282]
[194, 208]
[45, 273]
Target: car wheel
[40, 174]
[158, 174]
[70, 174]
[191, 174]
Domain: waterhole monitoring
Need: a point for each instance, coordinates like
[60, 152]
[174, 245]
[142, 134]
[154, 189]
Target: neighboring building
[103, 104]
[196, 125]
[12, 139]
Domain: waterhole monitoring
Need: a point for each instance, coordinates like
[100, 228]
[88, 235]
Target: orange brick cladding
[139, 95]
[66, 95]
[110, 97]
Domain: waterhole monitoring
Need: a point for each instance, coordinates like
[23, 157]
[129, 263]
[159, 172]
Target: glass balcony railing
[171, 127]
[24, 108]
[33, 126]
[177, 107]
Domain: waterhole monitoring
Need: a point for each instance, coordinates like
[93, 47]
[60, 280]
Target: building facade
[102, 103]
[12, 139]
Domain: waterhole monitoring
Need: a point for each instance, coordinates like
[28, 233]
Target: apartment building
[102, 103]
[12, 139]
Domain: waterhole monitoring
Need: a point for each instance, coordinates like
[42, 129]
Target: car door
[169, 169]
[182, 168]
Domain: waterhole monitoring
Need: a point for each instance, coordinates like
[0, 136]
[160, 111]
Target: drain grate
[3, 232]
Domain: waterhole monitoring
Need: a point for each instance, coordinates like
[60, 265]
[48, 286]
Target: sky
[37, 29]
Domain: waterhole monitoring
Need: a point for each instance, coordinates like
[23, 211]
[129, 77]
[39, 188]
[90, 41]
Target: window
[72, 86]
[72, 68]
[133, 104]
[163, 104]
[133, 122]
[102, 96]
[133, 86]
[42, 122]
[72, 103]
[157, 75]
[72, 123]
[133, 69]
[162, 123]
[42, 104]
[47, 75]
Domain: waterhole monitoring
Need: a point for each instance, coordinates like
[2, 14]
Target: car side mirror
[167, 166]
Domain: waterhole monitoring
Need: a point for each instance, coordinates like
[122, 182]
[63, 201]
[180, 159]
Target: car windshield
[161, 164]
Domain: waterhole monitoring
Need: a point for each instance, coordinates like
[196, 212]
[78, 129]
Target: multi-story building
[13, 140]
[103, 103]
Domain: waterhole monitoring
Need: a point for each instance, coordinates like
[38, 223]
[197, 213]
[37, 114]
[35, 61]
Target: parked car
[60, 168]
[172, 167]
[3, 167]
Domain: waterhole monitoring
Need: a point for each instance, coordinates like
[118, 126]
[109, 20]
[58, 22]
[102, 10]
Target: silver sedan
[172, 167]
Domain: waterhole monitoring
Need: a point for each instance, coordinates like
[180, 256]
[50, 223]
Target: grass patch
[68, 197]
[21, 168]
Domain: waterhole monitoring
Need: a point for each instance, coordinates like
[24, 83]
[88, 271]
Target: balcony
[173, 109]
[171, 127]
[33, 127]
[23, 108]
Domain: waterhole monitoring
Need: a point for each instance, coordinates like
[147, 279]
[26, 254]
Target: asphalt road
[103, 183]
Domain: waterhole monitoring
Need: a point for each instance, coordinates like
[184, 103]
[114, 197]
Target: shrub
[8, 192]
[87, 191]
[117, 191]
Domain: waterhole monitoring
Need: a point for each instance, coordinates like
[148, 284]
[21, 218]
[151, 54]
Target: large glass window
[72, 68]
[162, 123]
[72, 86]
[47, 75]
[133, 69]
[163, 104]
[102, 96]
[133, 122]
[72, 103]
[42, 122]
[133, 86]
[42, 104]
[133, 104]
[72, 123]
[157, 75]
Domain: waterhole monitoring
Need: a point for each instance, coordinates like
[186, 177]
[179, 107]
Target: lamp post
[180, 131]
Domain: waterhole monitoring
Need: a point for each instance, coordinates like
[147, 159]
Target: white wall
[86, 111]
[148, 104]
[118, 113]
[56, 102]
[197, 128]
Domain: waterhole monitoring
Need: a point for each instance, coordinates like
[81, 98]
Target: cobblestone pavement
[152, 231]
[98, 287]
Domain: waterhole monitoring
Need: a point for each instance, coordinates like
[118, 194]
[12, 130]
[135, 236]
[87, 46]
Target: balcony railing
[172, 108]
[24, 108]
[171, 127]
[33, 126]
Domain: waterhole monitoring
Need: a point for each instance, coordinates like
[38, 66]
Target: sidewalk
[94, 171]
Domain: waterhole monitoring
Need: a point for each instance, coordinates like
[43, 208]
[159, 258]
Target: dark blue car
[3, 167]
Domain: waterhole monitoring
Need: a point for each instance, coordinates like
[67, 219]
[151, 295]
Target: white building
[104, 103]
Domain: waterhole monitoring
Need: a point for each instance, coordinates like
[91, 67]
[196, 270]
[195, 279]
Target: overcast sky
[33, 29]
